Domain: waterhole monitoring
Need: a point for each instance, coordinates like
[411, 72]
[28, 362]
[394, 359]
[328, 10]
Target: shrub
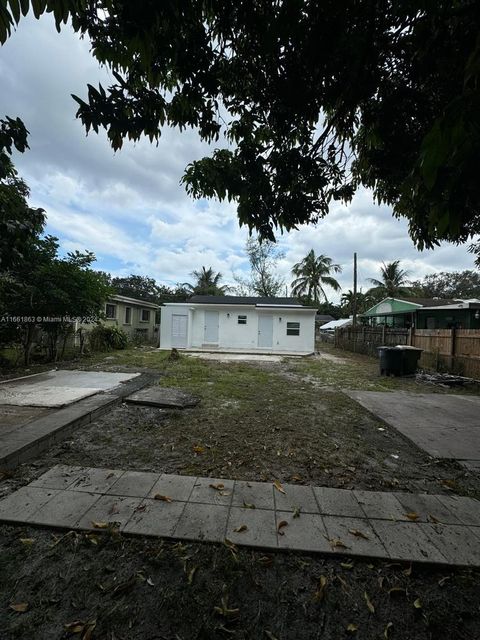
[104, 338]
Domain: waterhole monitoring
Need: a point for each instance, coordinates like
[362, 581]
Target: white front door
[179, 331]
[265, 332]
[211, 327]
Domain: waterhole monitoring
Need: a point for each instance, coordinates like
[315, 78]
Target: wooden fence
[453, 350]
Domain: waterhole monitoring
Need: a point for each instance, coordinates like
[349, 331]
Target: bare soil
[255, 421]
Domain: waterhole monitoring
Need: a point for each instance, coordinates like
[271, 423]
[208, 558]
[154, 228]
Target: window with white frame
[128, 315]
[293, 328]
[242, 320]
[145, 315]
[111, 311]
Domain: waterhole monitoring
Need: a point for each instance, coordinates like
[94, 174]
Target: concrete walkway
[445, 426]
[397, 526]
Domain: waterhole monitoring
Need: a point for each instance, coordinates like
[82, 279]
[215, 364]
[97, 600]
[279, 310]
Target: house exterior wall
[447, 318]
[137, 327]
[232, 335]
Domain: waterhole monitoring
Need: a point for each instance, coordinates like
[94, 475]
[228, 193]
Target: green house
[425, 313]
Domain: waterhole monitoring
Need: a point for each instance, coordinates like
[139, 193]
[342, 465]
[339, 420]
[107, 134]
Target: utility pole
[354, 309]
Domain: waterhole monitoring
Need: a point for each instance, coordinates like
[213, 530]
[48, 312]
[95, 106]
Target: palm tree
[207, 283]
[364, 301]
[392, 283]
[312, 275]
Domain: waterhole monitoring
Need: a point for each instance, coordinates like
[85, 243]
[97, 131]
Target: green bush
[104, 338]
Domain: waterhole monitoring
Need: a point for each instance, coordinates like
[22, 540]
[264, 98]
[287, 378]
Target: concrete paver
[252, 527]
[305, 533]
[134, 483]
[174, 487]
[356, 534]
[310, 519]
[338, 502]
[296, 497]
[155, 518]
[258, 495]
[202, 522]
[381, 505]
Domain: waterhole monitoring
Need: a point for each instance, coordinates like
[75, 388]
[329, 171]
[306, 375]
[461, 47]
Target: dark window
[242, 319]
[145, 315]
[111, 311]
[128, 315]
[293, 328]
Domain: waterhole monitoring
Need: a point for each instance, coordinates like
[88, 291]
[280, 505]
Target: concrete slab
[236, 357]
[260, 528]
[174, 487]
[113, 510]
[338, 502]
[428, 508]
[202, 522]
[380, 505]
[459, 544]
[356, 534]
[64, 509]
[134, 483]
[296, 497]
[164, 397]
[21, 505]
[59, 477]
[96, 480]
[58, 388]
[155, 518]
[12, 417]
[467, 510]
[212, 491]
[305, 533]
[253, 494]
[407, 541]
[443, 425]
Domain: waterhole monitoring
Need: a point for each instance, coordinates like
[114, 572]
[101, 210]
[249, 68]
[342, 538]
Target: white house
[235, 322]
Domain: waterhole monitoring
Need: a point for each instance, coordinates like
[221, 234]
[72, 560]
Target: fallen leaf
[336, 543]
[269, 635]
[191, 575]
[113, 509]
[241, 528]
[408, 571]
[352, 628]
[159, 496]
[150, 582]
[412, 516]
[74, 627]
[99, 525]
[199, 449]
[282, 524]
[417, 604]
[346, 565]
[225, 611]
[296, 478]
[89, 629]
[433, 519]
[278, 486]
[358, 534]
[27, 541]
[296, 512]
[248, 505]
[381, 580]
[266, 561]
[320, 592]
[442, 581]
[218, 487]
[20, 607]
[397, 591]
[370, 606]
[388, 628]
[91, 537]
[345, 587]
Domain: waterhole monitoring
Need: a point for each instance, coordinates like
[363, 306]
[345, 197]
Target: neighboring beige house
[135, 317]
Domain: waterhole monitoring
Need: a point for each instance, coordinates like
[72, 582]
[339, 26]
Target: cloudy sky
[129, 208]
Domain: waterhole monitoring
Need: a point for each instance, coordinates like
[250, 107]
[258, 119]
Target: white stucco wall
[232, 335]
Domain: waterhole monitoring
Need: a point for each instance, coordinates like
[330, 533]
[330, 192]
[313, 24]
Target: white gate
[179, 331]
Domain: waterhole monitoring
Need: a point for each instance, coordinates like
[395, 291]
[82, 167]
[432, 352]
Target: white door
[179, 331]
[265, 332]
[211, 327]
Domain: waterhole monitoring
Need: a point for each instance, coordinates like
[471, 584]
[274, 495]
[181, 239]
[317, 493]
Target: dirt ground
[259, 421]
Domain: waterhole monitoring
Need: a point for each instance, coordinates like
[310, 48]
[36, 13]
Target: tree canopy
[393, 282]
[452, 284]
[263, 279]
[312, 100]
[207, 283]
